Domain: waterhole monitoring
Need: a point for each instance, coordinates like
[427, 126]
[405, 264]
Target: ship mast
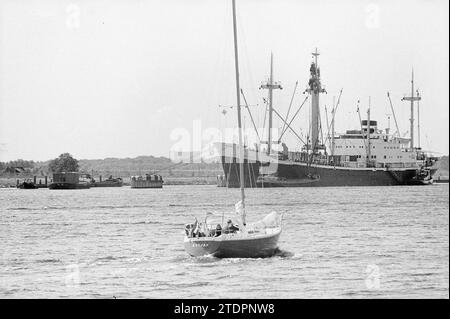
[238, 100]
[270, 85]
[418, 119]
[315, 88]
[412, 98]
[332, 129]
[369, 151]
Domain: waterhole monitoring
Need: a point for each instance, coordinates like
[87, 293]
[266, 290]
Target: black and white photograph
[241, 150]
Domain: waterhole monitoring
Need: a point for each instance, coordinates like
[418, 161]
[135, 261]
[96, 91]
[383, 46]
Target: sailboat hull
[233, 246]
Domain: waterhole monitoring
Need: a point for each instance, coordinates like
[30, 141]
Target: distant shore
[7, 182]
[173, 173]
[11, 182]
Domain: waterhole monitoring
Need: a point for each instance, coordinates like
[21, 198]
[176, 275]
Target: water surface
[355, 242]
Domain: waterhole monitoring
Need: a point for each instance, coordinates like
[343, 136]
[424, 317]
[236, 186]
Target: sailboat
[253, 240]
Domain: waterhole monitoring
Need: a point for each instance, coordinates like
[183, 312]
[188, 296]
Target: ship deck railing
[355, 164]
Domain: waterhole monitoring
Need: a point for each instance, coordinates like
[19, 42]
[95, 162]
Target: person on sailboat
[230, 227]
[218, 231]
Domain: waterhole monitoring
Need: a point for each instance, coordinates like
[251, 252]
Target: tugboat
[228, 240]
[147, 181]
[68, 180]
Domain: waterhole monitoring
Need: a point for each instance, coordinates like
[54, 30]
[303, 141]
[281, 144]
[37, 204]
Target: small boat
[147, 181]
[27, 184]
[68, 180]
[109, 182]
[235, 241]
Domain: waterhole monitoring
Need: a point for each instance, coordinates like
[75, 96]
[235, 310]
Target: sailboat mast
[412, 111]
[238, 100]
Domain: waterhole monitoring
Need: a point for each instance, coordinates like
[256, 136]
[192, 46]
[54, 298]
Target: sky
[123, 78]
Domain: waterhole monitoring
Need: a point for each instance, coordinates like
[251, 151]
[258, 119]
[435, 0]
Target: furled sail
[271, 220]
[240, 211]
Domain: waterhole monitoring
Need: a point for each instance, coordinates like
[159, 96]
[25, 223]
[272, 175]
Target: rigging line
[229, 174]
[326, 116]
[312, 153]
[290, 105]
[250, 113]
[320, 125]
[251, 176]
[393, 113]
[334, 115]
[362, 133]
[288, 126]
[265, 114]
[282, 133]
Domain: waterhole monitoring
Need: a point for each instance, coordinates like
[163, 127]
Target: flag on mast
[239, 208]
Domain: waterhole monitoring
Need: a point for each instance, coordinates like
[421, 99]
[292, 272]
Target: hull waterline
[298, 175]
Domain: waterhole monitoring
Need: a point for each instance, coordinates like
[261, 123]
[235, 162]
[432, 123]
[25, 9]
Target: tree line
[63, 163]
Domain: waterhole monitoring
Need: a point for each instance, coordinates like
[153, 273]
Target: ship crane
[393, 113]
[290, 105]
[288, 125]
[250, 113]
[388, 129]
[331, 126]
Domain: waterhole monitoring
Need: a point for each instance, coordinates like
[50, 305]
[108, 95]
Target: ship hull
[68, 186]
[27, 185]
[107, 184]
[253, 247]
[231, 170]
[146, 184]
[303, 175]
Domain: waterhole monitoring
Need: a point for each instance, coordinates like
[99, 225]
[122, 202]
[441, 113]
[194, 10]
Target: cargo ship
[367, 156]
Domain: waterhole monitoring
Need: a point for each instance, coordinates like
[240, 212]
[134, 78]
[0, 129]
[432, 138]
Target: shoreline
[11, 182]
